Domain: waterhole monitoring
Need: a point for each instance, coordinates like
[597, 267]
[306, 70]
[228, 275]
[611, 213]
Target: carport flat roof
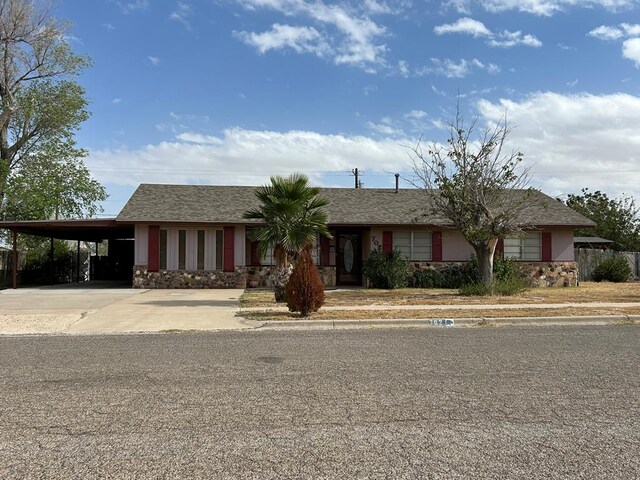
[87, 230]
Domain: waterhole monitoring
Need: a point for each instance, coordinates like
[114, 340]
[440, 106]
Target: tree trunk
[485, 253]
[281, 280]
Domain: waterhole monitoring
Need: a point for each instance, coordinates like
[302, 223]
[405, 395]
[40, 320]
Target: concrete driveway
[99, 308]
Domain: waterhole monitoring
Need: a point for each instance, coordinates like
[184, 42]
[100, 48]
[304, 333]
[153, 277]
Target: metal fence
[589, 258]
[6, 267]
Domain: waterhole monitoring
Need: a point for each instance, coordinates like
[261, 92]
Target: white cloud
[508, 39]
[299, 39]
[548, 7]
[246, 157]
[115, 101]
[464, 25]
[631, 50]
[575, 141]
[180, 14]
[376, 7]
[416, 114]
[353, 39]
[504, 39]
[403, 68]
[109, 27]
[385, 127]
[604, 32]
[450, 69]
[155, 61]
[460, 6]
[130, 7]
[630, 47]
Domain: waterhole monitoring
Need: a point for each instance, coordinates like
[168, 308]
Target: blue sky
[223, 91]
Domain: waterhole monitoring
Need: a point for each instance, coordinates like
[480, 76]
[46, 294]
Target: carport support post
[15, 258]
[51, 265]
[78, 263]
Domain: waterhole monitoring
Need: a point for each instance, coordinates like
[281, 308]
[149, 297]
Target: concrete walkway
[117, 310]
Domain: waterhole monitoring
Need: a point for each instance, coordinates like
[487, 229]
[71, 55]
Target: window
[525, 247]
[414, 245]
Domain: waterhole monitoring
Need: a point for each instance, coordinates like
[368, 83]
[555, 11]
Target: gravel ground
[526, 402]
[13, 324]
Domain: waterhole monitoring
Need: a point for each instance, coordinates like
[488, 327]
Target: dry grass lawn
[587, 292]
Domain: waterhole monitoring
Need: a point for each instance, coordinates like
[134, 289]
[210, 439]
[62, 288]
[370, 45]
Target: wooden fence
[589, 258]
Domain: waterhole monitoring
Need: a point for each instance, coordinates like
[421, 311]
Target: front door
[349, 258]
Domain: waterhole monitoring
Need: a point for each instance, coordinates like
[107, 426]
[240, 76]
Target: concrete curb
[457, 322]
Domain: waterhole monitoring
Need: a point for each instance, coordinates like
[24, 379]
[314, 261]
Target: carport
[89, 230]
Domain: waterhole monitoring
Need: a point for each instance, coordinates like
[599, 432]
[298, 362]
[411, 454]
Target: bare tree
[475, 183]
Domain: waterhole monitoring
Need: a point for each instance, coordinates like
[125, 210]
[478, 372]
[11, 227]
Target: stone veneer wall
[540, 274]
[264, 277]
[142, 278]
[242, 277]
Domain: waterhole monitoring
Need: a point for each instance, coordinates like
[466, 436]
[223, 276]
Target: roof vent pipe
[397, 181]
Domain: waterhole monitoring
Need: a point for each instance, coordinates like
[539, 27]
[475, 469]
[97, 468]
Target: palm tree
[291, 218]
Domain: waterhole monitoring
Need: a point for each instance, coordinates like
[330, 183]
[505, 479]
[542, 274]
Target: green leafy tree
[40, 103]
[55, 183]
[291, 217]
[616, 219]
[470, 182]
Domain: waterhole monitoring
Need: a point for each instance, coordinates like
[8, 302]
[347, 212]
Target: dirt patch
[14, 324]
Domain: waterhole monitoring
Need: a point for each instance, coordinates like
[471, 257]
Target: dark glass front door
[349, 258]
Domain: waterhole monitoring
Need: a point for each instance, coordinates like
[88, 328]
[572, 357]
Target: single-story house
[194, 236]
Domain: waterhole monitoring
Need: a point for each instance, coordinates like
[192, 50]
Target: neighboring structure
[188, 236]
[194, 236]
[592, 242]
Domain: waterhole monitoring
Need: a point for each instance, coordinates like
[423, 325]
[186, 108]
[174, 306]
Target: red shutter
[387, 242]
[229, 252]
[436, 246]
[500, 247]
[546, 247]
[153, 250]
[255, 259]
[324, 251]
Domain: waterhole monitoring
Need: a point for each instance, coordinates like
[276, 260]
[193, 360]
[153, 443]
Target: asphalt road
[540, 402]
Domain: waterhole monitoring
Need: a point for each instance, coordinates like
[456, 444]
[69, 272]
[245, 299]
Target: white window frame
[412, 244]
[524, 248]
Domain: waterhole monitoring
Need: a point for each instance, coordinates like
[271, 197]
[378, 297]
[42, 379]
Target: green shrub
[427, 279]
[455, 276]
[305, 290]
[505, 269]
[386, 270]
[615, 269]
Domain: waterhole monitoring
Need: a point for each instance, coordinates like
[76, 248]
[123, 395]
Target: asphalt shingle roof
[347, 206]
